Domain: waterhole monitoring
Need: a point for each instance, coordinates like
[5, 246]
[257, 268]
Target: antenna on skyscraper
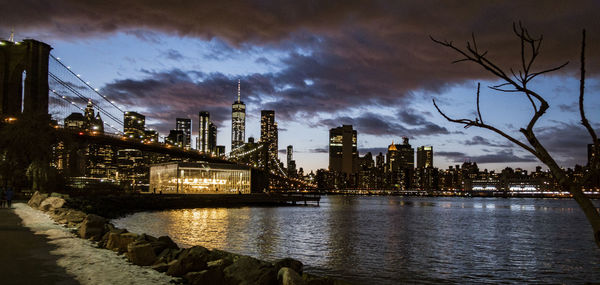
[239, 91]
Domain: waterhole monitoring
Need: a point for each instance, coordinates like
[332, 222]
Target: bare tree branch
[469, 123]
[584, 120]
[478, 111]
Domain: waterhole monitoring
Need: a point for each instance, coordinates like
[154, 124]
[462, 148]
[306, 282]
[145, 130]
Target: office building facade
[268, 133]
[425, 157]
[238, 122]
[343, 153]
[185, 125]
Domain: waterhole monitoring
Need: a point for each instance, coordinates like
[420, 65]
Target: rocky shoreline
[195, 265]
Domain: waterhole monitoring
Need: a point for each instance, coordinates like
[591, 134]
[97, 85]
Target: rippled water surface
[390, 240]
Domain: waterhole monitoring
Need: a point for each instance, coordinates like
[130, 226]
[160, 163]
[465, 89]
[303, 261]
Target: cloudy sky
[321, 64]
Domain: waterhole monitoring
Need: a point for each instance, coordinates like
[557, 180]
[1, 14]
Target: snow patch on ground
[82, 259]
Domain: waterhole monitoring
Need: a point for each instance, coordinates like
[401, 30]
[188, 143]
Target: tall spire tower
[238, 121]
[239, 96]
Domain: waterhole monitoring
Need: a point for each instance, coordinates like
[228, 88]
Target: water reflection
[391, 240]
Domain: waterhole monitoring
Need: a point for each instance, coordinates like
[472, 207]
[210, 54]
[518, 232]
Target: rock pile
[195, 265]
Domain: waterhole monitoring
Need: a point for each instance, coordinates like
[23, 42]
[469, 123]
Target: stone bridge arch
[29, 56]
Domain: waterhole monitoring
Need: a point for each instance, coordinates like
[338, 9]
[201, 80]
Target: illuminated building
[290, 153]
[343, 154]
[75, 121]
[93, 123]
[132, 167]
[199, 178]
[220, 150]
[175, 138]
[151, 136]
[185, 125]
[291, 163]
[134, 125]
[238, 122]
[203, 131]
[400, 164]
[212, 138]
[424, 157]
[268, 133]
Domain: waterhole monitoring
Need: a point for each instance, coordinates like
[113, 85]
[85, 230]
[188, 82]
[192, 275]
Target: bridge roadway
[116, 140]
[120, 141]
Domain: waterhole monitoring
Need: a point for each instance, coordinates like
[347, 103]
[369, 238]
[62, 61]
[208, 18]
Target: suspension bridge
[35, 81]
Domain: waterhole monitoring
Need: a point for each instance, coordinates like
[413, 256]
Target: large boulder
[219, 264]
[51, 203]
[192, 259]
[36, 199]
[248, 270]
[141, 253]
[162, 243]
[93, 227]
[217, 254]
[291, 263]
[205, 277]
[287, 276]
[168, 255]
[119, 241]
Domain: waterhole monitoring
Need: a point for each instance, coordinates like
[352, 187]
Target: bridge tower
[28, 59]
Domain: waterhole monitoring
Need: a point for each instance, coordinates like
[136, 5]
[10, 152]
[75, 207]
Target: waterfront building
[238, 121]
[185, 125]
[203, 131]
[199, 178]
[343, 154]
[134, 125]
[424, 157]
[268, 133]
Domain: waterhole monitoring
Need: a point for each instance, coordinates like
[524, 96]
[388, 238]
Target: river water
[391, 240]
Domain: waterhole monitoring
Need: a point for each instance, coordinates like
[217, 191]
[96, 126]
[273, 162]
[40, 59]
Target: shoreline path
[25, 258]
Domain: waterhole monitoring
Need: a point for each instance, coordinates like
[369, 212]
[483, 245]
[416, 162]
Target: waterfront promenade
[25, 257]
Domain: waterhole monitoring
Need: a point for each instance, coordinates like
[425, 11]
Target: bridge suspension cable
[86, 83]
[70, 87]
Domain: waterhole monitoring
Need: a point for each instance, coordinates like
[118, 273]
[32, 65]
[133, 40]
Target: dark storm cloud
[567, 142]
[374, 124]
[355, 53]
[176, 94]
[478, 140]
[503, 156]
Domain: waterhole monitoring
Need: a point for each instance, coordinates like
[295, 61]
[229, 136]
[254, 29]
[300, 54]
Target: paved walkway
[25, 257]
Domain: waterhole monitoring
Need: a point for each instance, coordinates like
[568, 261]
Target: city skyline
[320, 70]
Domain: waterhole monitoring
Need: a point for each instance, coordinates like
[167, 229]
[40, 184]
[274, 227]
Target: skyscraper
[212, 138]
[134, 125]
[238, 121]
[343, 154]
[424, 157]
[203, 131]
[290, 150]
[185, 125]
[268, 132]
